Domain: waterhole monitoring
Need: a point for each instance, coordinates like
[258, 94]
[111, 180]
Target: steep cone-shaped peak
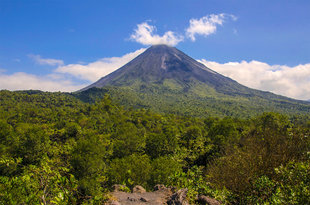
[162, 48]
[160, 62]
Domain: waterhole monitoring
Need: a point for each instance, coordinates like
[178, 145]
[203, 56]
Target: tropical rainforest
[58, 149]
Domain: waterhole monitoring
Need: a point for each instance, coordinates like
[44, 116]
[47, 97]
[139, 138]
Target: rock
[205, 200]
[114, 203]
[138, 189]
[131, 199]
[160, 187]
[143, 199]
[178, 198]
[118, 187]
[151, 198]
[173, 189]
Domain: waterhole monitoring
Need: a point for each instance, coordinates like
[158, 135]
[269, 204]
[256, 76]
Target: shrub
[269, 144]
[162, 169]
[131, 170]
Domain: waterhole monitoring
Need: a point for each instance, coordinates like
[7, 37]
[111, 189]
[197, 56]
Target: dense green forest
[57, 149]
[196, 100]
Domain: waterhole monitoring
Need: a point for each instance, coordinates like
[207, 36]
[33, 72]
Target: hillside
[166, 80]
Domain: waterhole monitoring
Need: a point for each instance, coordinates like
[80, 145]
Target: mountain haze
[165, 79]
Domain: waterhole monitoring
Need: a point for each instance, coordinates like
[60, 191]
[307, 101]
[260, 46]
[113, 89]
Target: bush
[294, 183]
[196, 183]
[88, 162]
[290, 186]
[162, 169]
[131, 170]
[269, 144]
[161, 144]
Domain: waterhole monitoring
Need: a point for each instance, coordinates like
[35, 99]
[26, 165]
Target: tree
[163, 168]
[130, 170]
[163, 143]
[89, 162]
[46, 183]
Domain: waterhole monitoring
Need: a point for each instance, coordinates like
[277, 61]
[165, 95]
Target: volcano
[162, 62]
[165, 79]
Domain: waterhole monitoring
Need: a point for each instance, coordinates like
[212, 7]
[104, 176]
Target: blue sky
[64, 45]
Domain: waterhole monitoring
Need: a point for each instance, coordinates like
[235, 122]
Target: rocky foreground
[160, 195]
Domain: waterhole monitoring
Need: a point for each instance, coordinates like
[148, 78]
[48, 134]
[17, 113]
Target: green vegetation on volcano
[198, 100]
[166, 80]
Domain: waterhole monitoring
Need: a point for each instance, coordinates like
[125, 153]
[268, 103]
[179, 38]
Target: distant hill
[166, 80]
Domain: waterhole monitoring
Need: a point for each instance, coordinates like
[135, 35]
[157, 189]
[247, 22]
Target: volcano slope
[166, 80]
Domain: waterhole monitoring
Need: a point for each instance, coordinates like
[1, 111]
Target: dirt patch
[160, 195]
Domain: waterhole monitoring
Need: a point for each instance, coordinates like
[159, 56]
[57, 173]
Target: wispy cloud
[24, 81]
[45, 61]
[144, 34]
[206, 25]
[95, 70]
[280, 79]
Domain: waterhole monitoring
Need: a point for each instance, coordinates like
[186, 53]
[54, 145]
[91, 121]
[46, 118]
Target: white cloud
[144, 34]
[45, 61]
[293, 81]
[61, 78]
[206, 25]
[24, 81]
[95, 70]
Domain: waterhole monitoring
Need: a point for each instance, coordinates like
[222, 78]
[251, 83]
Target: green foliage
[269, 144]
[42, 184]
[88, 162]
[163, 168]
[195, 146]
[290, 186]
[34, 142]
[262, 192]
[293, 182]
[8, 142]
[163, 143]
[131, 170]
[195, 99]
[196, 183]
[128, 140]
[72, 130]
[56, 149]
